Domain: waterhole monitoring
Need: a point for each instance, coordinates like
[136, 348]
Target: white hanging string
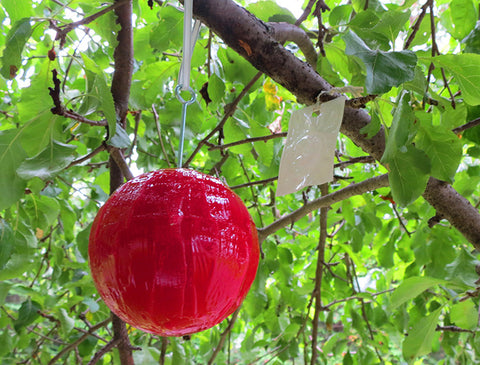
[189, 38]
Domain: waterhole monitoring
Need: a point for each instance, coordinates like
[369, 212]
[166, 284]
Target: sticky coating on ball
[173, 252]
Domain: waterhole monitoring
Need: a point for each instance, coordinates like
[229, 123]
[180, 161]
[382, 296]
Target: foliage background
[54, 177]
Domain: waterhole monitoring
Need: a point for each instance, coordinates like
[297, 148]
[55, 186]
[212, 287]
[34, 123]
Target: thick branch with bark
[121, 82]
[252, 39]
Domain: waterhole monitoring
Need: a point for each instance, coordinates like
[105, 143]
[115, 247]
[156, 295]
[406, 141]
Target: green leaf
[216, 88]
[66, 321]
[420, 337]
[391, 23]
[47, 163]
[418, 84]
[384, 69]
[402, 129]
[409, 167]
[459, 18]
[101, 91]
[409, 173]
[35, 100]
[82, 241]
[464, 314]
[4, 289]
[145, 356]
[463, 268]
[15, 43]
[7, 343]
[7, 243]
[386, 252]
[411, 288]
[120, 139]
[12, 154]
[270, 11]
[443, 148]
[464, 67]
[27, 313]
[472, 41]
[17, 9]
[168, 33]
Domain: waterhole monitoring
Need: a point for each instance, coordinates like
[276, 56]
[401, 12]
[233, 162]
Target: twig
[355, 298]
[224, 335]
[447, 86]
[79, 341]
[317, 292]
[306, 13]
[229, 110]
[322, 30]
[360, 102]
[364, 313]
[63, 30]
[471, 124]
[163, 351]
[254, 196]
[416, 26]
[324, 201]
[159, 132]
[247, 140]
[137, 118]
[59, 109]
[400, 220]
[354, 160]
[251, 183]
[7, 115]
[99, 354]
[452, 329]
[119, 159]
[87, 157]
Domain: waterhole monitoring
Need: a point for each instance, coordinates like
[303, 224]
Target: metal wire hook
[185, 104]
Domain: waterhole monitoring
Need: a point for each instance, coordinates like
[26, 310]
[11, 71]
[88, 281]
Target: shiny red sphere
[173, 252]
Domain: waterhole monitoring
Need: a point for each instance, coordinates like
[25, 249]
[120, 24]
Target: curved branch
[324, 201]
[286, 32]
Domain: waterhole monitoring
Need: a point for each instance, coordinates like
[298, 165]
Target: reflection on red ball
[173, 252]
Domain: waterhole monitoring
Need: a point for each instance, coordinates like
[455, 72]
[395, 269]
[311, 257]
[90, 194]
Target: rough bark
[253, 40]
[122, 76]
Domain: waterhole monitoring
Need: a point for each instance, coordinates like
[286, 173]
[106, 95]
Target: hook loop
[178, 94]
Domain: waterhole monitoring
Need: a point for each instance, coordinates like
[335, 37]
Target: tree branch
[121, 82]
[99, 354]
[63, 30]
[324, 201]
[471, 124]
[78, 341]
[286, 32]
[159, 132]
[251, 183]
[317, 292]
[87, 157]
[233, 24]
[224, 335]
[247, 140]
[229, 110]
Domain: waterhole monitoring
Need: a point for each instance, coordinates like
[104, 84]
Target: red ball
[173, 252]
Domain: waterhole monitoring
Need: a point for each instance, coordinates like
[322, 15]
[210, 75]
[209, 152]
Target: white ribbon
[189, 39]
